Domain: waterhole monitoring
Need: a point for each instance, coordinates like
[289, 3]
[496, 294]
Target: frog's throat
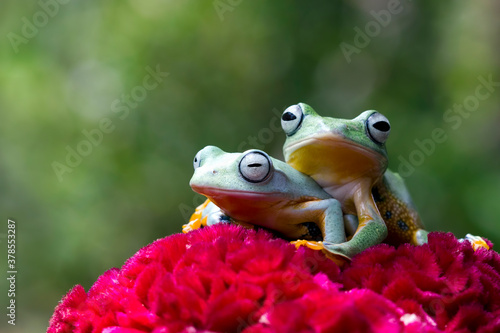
[334, 160]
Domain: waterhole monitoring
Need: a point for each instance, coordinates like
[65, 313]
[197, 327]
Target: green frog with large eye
[348, 159]
[255, 189]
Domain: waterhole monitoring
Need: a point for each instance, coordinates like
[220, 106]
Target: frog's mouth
[221, 193]
[242, 204]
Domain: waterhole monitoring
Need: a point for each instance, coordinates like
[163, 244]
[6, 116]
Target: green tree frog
[253, 188]
[348, 159]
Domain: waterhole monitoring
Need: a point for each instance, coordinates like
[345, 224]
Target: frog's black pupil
[255, 165]
[382, 126]
[287, 116]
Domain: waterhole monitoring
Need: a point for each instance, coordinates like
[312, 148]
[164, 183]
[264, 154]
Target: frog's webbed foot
[192, 225]
[476, 242]
[340, 260]
[206, 214]
[198, 218]
[310, 244]
[344, 250]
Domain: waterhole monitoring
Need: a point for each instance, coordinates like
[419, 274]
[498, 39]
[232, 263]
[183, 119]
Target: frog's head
[248, 186]
[334, 150]
[235, 179]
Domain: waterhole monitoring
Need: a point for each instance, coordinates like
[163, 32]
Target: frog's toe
[310, 244]
[192, 225]
[476, 242]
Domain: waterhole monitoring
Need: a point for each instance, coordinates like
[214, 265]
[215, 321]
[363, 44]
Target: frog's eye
[292, 119]
[255, 166]
[197, 160]
[378, 127]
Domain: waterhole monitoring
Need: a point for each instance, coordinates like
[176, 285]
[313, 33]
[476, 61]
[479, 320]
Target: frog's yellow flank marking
[402, 221]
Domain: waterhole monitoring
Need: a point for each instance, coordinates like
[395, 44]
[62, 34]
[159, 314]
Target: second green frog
[348, 159]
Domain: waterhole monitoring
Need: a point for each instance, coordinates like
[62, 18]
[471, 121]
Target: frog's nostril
[214, 172]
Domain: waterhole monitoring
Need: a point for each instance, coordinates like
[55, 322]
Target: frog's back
[397, 210]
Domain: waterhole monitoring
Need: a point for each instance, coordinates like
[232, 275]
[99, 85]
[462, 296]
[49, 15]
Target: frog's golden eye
[292, 119]
[378, 127]
[197, 160]
[255, 166]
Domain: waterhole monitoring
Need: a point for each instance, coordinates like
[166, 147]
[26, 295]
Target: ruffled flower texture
[229, 279]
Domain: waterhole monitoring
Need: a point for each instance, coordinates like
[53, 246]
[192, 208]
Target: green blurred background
[233, 67]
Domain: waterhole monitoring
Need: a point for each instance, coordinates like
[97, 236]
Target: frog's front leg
[371, 229]
[332, 221]
[327, 214]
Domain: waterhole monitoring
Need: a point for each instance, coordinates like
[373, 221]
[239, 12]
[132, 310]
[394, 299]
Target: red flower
[230, 279]
[457, 287]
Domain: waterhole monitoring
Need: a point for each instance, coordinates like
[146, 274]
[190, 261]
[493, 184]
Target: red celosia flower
[229, 279]
[445, 278]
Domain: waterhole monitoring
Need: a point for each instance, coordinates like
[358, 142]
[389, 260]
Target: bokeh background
[233, 65]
